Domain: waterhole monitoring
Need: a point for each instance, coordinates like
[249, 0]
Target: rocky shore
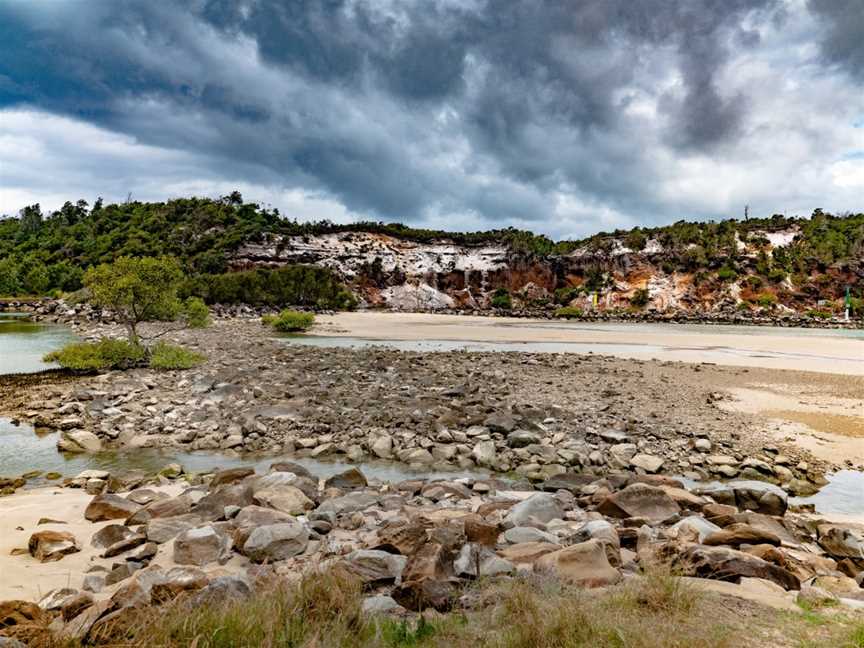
[415, 545]
[58, 311]
[533, 415]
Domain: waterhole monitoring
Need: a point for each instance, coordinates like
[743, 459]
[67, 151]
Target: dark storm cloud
[842, 42]
[397, 108]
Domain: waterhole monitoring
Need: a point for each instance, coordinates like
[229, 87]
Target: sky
[564, 117]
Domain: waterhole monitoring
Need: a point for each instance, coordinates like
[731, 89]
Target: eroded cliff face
[401, 274]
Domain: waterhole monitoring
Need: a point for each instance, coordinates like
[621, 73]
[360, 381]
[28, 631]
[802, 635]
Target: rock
[111, 534]
[53, 600]
[348, 480]
[751, 496]
[694, 527]
[109, 507]
[502, 423]
[348, 503]
[15, 613]
[843, 541]
[93, 583]
[527, 553]
[230, 476]
[375, 567]
[287, 499]
[291, 467]
[520, 534]
[648, 463]
[521, 438]
[420, 595]
[201, 546]
[702, 445]
[78, 441]
[380, 604]
[584, 564]
[223, 589]
[161, 530]
[50, 546]
[722, 563]
[475, 560]
[480, 531]
[124, 545]
[484, 454]
[382, 447]
[640, 501]
[175, 581]
[275, 542]
[211, 507]
[542, 508]
[75, 604]
[573, 482]
[404, 536]
[738, 534]
[815, 597]
[620, 454]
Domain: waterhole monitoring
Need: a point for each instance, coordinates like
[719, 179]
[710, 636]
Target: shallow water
[23, 343]
[24, 450]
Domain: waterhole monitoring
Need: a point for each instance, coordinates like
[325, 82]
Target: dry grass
[656, 610]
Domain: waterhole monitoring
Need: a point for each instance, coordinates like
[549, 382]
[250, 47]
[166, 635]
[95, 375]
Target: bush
[819, 314]
[569, 312]
[196, 313]
[170, 356]
[766, 300]
[567, 294]
[107, 353]
[501, 299]
[640, 297]
[727, 274]
[290, 321]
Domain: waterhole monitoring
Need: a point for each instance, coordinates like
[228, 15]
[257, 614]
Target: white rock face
[347, 252]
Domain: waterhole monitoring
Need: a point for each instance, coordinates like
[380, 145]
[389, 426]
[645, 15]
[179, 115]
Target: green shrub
[196, 313]
[569, 312]
[107, 353]
[765, 300]
[777, 275]
[819, 314]
[640, 297]
[290, 321]
[501, 299]
[567, 294]
[754, 282]
[727, 274]
[170, 356]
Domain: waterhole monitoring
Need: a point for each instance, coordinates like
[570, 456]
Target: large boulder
[201, 546]
[50, 546]
[109, 507]
[347, 480]
[230, 475]
[350, 503]
[161, 530]
[211, 507]
[722, 563]
[287, 499]
[475, 560]
[251, 517]
[374, 567]
[162, 508]
[273, 542]
[740, 533]
[750, 495]
[842, 541]
[640, 501]
[539, 508]
[78, 441]
[584, 564]
[527, 553]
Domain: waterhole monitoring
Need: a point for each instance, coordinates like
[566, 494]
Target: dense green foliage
[640, 298]
[107, 353]
[49, 253]
[290, 321]
[171, 356]
[298, 285]
[196, 313]
[501, 299]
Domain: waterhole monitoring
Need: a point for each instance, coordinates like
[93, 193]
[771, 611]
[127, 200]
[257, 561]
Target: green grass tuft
[170, 356]
[107, 353]
[290, 321]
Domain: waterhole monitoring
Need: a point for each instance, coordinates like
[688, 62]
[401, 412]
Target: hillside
[777, 265]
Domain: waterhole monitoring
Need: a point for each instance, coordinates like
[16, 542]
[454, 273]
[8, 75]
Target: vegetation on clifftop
[45, 253]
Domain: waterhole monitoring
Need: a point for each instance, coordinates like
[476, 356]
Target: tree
[141, 290]
[31, 219]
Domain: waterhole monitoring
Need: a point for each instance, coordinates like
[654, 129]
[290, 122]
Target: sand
[24, 577]
[767, 348]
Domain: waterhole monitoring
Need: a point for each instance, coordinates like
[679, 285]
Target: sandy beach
[732, 346]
